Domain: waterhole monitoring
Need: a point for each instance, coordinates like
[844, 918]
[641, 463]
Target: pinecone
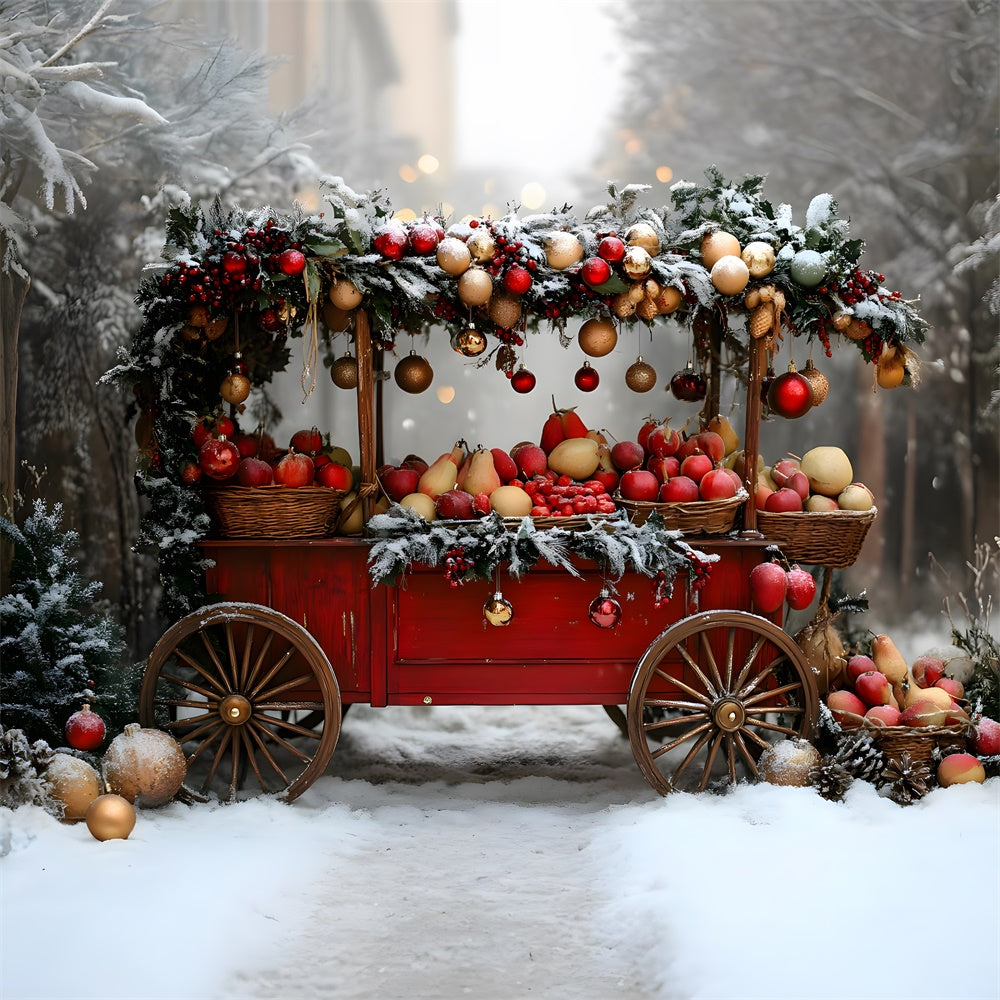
[761, 320]
[907, 779]
[862, 758]
[831, 779]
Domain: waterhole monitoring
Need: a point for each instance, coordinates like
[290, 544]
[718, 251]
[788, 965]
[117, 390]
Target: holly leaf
[313, 281]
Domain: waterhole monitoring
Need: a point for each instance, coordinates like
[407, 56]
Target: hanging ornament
[73, 783]
[344, 372]
[522, 380]
[597, 337]
[110, 817]
[236, 386]
[470, 342]
[790, 394]
[605, 611]
[586, 378]
[85, 729]
[505, 310]
[818, 381]
[689, 385]
[414, 373]
[498, 610]
[146, 766]
[640, 376]
[344, 294]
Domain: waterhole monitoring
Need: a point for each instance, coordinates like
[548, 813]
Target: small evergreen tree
[56, 647]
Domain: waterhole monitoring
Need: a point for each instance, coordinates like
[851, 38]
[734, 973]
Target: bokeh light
[532, 195]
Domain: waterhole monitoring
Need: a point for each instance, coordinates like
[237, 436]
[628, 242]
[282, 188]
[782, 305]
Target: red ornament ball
[517, 279]
[605, 611]
[234, 264]
[85, 729]
[611, 249]
[595, 271]
[522, 380]
[291, 262]
[689, 385]
[790, 395]
[587, 379]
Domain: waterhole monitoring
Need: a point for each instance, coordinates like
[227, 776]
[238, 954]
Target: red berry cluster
[510, 263]
[824, 337]
[859, 286]
[662, 590]
[456, 565]
[565, 497]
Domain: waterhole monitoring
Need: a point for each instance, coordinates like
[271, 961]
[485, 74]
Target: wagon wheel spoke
[745, 753]
[717, 741]
[683, 738]
[776, 709]
[748, 663]
[696, 669]
[759, 679]
[772, 727]
[673, 703]
[686, 688]
[677, 720]
[731, 758]
[772, 693]
[239, 709]
[710, 660]
[730, 655]
[692, 753]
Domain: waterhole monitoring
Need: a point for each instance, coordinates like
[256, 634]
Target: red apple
[530, 459]
[987, 738]
[663, 468]
[506, 466]
[310, 442]
[801, 588]
[663, 440]
[960, 769]
[294, 470]
[415, 462]
[873, 688]
[456, 505]
[799, 482]
[859, 664]
[820, 504]
[639, 484]
[783, 470]
[761, 495]
[217, 425]
[767, 586]
[696, 466]
[399, 482]
[190, 471]
[679, 489]
[883, 715]
[254, 472]
[645, 430]
[848, 709]
[608, 478]
[247, 444]
[627, 455]
[783, 501]
[219, 458]
[927, 670]
[955, 688]
[923, 713]
[335, 476]
[716, 484]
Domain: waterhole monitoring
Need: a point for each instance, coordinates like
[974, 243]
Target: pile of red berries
[456, 565]
[565, 497]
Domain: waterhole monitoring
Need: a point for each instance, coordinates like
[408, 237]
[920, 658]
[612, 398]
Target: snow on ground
[502, 853]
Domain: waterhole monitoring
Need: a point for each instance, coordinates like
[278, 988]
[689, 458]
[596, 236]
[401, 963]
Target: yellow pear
[724, 429]
[888, 658]
[481, 476]
[935, 695]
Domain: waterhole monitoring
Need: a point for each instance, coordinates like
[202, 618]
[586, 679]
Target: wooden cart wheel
[251, 698]
[711, 693]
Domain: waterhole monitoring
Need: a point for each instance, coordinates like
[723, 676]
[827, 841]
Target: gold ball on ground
[145, 765]
[453, 256]
[344, 372]
[637, 263]
[505, 310]
[642, 234]
[759, 258]
[730, 275]
[498, 610]
[235, 388]
[788, 762]
[640, 377]
[597, 337]
[414, 373]
[72, 782]
[110, 817]
[482, 246]
[562, 250]
[716, 245]
[344, 294]
[475, 287]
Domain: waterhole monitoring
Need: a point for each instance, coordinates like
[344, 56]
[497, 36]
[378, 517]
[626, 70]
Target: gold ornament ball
[759, 258]
[235, 388]
[453, 256]
[669, 300]
[642, 234]
[475, 287]
[145, 765]
[344, 372]
[110, 817]
[637, 263]
[216, 328]
[335, 318]
[640, 377]
[498, 610]
[414, 373]
[481, 245]
[730, 275]
[623, 305]
[647, 310]
[72, 782]
[505, 310]
[597, 337]
[788, 762]
[819, 384]
[344, 294]
[562, 250]
[716, 245]
[470, 343]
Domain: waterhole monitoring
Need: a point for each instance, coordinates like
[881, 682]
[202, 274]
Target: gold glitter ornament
[597, 337]
[146, 766]
[344, 372]
[470, 343]
[640, 377]
[818, 382]
[344, 294]
[235, 388]
[505, 310]
[414, 373]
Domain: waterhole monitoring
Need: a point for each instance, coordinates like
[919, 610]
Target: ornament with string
[236, 386]
[469, 342]
[689, 385]
[497, 610]
[413, 373]
[604, 610]
[344, 371]
[522, 380]
[640, 376]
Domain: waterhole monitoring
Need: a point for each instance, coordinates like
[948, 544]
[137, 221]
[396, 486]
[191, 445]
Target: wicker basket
[832, 538]
[273, 511]
[919, 742]
[696, 517]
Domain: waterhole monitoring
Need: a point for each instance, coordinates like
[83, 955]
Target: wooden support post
[367, 488]
[751, 435]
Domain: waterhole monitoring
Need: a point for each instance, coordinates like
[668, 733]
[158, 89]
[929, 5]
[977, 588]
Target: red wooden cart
[254, 687]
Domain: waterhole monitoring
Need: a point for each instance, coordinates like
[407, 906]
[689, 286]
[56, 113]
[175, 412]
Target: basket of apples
[813, 509]
[683, 479]
[255, 493]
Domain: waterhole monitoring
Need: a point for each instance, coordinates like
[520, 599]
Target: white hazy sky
[537, 80]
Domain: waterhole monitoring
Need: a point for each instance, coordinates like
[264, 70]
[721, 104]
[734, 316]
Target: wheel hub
[728, 714]
[235, 709]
